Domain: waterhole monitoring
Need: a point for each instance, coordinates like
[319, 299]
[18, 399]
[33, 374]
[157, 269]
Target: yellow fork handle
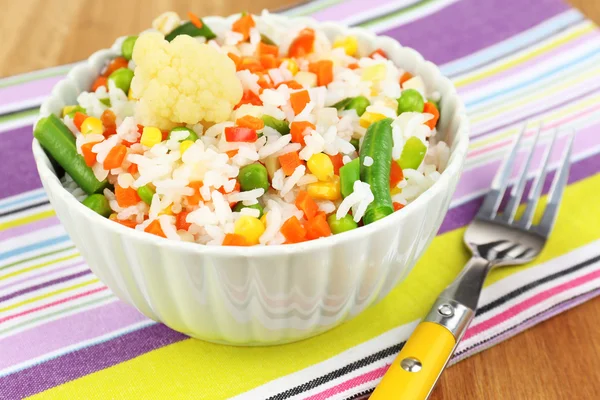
[425, 353]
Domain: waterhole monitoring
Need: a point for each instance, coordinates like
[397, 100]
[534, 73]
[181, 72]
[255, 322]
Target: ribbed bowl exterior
[260, 295]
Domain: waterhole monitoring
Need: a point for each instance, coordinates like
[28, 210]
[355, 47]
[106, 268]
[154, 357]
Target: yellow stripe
[587, 28]
[45, 296]
[37, 266]
[26, 220]
[193, 368]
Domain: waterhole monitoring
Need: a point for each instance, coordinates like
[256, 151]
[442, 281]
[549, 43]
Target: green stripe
[32, 112]
[370, 23]
[307, 9]
[57, 313]
[28, 77]
[36, 257]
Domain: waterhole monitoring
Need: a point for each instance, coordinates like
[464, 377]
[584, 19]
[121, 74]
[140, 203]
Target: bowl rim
[454, 167]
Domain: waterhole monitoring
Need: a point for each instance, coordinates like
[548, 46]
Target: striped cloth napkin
[63, 334]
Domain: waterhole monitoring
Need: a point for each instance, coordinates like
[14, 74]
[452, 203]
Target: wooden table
[557, 359]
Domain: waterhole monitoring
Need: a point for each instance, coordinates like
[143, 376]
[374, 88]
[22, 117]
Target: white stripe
[22, 105]
[30, 238]
[376, 12]
[410, 16]
[36, 280]
[25, 213]
[22, 199]
[18, 123]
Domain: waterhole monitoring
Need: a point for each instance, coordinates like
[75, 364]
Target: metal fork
[495, 239]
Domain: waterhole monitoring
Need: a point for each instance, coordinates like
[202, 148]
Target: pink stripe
[28, 228]
[348, 9]
[528, 303]
[52, 271]
[349, 384]
[28, 90]
[54, 303]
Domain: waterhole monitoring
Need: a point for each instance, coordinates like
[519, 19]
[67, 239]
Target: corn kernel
[374, 73]
[92, 125]
[292, 65]
[369, 118]
[263, 219]
[349, 43]
[321, 166]
[325, 190]
[130, 95]
[306, 79]
[151, 136]
[166, 211]
[250, 228]
[68, 109]
[395, 190]
[185, 145]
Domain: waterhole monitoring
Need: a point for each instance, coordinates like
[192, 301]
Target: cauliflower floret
[182, 82]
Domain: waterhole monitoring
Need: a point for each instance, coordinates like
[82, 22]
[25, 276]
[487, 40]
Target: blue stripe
[37, 194]
[547, 75]
[32, 247]
[509, 46]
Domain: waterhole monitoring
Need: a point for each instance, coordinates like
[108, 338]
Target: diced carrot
[180, 221]
[237, 60]
[194, 20]
[268, 61]
[303, 44]
[233, 239]
[293, 231]
[249, 98]
[115, 157]
[125, 222]
[338, 162]
[243, 25]
[236, 188]
[140, 128]
[289, 162]
[133, 169]
[317, 227]
[430, 108]
[115, 64]
[100, 81]
[324, 71]
[252, 64]
[195, 198]
[165, 134]
[126, 197]
[291, 84]
[231, 153]
[155, 229]
[378, 52]
[397, 206]
[264, 81]
[353, 66]
[248, 121]
[109, 119]
[88, 155]
[299, 100]
[307, 205]
[264, 48]
[405, 76]
[78, 119]
[396, 174]
[297, 129]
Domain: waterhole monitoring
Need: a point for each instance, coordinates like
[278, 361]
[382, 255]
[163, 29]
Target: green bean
[146, 193]
[346, 223]
[192, 135]
[349, 174]
[410, 101]
[239, 206]
[127, 47]
[192, 30]
[122, 79]
[377, 145]
[280, 126]
[253, 176]
[57, 139]
[98, 203]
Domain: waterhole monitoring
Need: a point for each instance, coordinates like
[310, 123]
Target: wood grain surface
[558, 359]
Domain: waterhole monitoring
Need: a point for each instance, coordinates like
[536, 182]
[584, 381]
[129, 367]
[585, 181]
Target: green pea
[127, 47]
[413, 153]
[360, 104]
[146, 193]
[253, 176]
[280, 126]
[239, 206]
[122, 79]
[105, 101]
[410, 101]
[344, 224]
[98, 203]
[192, 135]
[355, 143]
[74, 110]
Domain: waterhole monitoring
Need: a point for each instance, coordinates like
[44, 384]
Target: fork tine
[536, 190]
[517, 190]
[492, 200]
[556, 191]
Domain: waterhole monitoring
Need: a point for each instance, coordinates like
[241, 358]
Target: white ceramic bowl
[260, 295]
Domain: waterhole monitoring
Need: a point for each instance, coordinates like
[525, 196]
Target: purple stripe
[42, 285]
[467, 26]
[460, 216]
[17, 162]
[28, 228]
[29, 90]
[79, 363]
[522, 326]
[480, 178]
[53, 270]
